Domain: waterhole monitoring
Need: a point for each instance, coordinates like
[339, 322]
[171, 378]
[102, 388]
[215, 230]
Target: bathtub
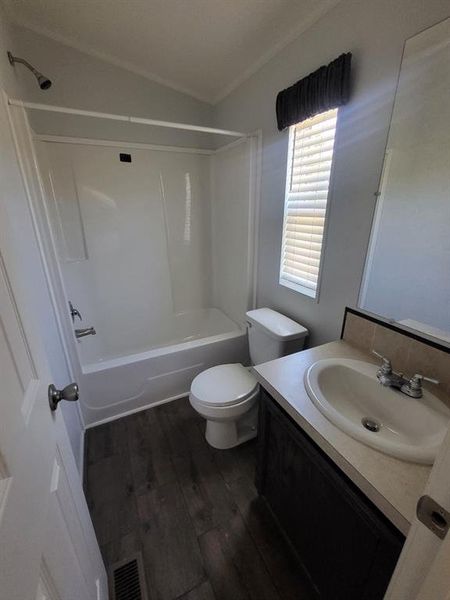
[113, 385]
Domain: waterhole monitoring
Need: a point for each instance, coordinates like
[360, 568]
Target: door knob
[70, 393]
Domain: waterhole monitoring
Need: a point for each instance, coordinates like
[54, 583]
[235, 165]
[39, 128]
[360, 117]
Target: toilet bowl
[227, 395]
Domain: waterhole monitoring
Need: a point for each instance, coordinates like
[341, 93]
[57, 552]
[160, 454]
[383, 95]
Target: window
[310, 156]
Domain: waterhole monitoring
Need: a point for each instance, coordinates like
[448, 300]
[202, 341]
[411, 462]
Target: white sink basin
[348, 393]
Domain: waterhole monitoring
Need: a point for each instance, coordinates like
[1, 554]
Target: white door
[423, 572]
[437, 582]
[47, 543]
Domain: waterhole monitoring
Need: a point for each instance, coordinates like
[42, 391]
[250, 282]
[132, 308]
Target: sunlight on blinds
[311, 145]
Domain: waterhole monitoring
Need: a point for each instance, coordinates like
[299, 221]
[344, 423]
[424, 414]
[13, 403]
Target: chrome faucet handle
[414, 386]
[418, 378]
[386, 365]
[74, 312]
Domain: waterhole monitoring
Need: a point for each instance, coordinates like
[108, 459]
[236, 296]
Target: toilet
[227, 395]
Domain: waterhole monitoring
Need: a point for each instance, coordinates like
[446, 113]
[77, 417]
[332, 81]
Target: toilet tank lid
[276, 325]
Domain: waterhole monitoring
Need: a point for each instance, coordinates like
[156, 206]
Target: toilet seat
[224, 385]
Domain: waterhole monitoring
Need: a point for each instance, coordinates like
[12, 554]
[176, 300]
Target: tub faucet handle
[74, 312]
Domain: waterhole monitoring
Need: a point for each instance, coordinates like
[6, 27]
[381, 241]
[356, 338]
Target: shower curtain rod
[126, 118]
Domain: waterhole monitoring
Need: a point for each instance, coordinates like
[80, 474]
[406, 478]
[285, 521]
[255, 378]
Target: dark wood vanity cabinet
[346, 545]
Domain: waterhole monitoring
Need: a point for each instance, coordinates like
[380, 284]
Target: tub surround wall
[408, 355]
[133, 241]
[232, 237]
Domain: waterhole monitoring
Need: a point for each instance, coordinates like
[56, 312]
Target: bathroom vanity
[348, 548]
[345, 507]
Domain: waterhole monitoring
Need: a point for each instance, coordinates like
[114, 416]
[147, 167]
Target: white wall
[8, 79]
[375, 33]
[82, 81]
[39, 297]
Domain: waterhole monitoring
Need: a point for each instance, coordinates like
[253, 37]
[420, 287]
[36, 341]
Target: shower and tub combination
[150, 251]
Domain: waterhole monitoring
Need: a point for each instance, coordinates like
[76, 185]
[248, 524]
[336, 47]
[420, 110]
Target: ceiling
[205, 48]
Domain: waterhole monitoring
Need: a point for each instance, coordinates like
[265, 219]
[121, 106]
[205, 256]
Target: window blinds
[311, 145]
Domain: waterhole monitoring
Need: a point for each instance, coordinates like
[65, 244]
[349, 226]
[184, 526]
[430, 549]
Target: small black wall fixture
[44, 82]
[326, 88]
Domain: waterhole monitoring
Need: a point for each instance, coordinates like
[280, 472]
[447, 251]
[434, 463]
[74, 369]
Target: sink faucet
[386, 376]
[411, 387]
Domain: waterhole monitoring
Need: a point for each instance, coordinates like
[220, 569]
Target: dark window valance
[326, 88]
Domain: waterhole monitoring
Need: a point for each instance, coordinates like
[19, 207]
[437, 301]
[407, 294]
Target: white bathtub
[113, 385]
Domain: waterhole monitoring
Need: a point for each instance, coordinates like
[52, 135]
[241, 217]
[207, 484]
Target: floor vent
[127, 579]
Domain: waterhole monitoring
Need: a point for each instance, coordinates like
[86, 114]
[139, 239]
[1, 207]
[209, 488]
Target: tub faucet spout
[79, 333]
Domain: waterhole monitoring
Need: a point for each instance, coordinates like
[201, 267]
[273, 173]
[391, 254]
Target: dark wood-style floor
[154, 485]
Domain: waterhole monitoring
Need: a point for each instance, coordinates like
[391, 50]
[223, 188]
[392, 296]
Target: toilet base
[228, 434]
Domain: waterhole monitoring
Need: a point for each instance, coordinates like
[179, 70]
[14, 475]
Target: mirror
[407, 273]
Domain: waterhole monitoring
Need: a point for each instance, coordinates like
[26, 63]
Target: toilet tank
[272, 335]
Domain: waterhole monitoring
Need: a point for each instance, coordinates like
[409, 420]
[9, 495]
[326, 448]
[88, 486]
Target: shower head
[44, 82]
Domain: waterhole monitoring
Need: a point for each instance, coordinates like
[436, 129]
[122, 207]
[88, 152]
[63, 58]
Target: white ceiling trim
[117, 62]
[275, 49]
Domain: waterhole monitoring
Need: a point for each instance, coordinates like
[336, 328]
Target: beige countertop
[393, 485]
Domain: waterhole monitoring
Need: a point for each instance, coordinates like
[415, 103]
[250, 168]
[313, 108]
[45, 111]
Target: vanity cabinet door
[348, 548]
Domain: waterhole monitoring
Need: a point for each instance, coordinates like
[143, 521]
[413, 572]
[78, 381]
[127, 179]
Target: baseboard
[135, 410]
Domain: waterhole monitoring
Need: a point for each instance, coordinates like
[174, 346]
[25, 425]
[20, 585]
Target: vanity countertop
[393, 485]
